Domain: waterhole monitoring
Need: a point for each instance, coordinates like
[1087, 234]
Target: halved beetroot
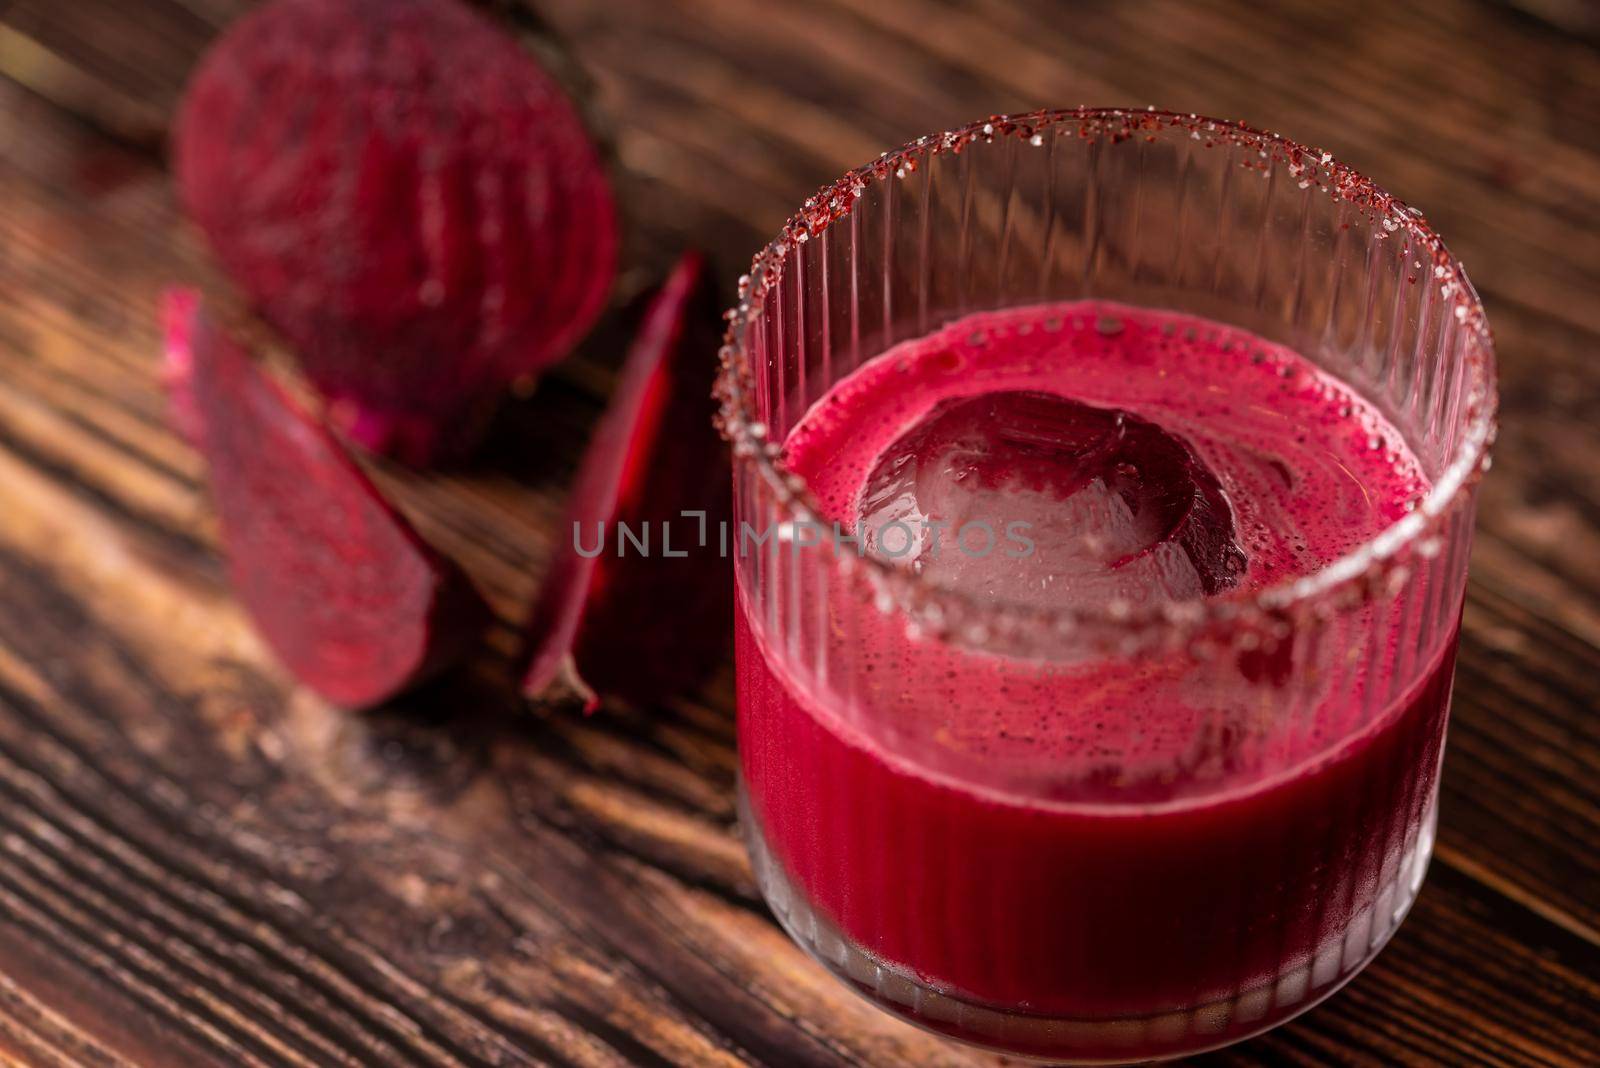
[408, 197]
[623, 622]
[350, 598]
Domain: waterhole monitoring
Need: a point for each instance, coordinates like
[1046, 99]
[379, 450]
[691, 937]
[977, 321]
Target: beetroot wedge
[348, 596]
[615, 617]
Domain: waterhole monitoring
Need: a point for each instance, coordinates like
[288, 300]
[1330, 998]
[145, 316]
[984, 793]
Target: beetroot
[621, 622]
[408, 198]
[346, 593]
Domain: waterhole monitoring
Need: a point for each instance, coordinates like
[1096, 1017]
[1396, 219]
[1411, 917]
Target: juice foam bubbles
[1309, 469]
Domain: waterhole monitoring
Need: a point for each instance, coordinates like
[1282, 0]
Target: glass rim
[936, 607]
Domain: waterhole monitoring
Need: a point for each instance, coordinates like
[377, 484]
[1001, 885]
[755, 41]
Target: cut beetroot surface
[408, 197]
[346, 593]
[622, 622]
[179, 308]
[1114, 506]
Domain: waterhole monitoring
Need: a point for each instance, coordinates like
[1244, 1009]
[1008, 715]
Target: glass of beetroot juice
[1103, 483]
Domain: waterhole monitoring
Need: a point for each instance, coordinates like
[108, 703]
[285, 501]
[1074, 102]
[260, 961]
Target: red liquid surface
[1101, 840]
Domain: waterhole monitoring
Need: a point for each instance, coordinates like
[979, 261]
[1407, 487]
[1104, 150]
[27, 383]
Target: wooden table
[201, 864]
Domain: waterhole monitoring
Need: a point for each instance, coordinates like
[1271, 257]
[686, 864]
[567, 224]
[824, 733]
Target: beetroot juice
[1116, 853]
[1103, 483]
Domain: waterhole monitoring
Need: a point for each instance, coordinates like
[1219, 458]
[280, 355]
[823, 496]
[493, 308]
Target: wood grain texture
[200, 864]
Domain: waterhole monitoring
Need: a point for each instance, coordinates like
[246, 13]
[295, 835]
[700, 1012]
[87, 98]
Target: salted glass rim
[936, 607]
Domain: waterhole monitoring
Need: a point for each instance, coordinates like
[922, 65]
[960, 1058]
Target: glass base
[1069, 1040]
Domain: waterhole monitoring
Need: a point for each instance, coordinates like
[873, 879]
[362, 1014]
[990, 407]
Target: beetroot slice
[625, 624]
[408, 197]
[349, 597]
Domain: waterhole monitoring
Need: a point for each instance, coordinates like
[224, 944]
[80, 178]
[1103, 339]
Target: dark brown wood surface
[201, 864]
